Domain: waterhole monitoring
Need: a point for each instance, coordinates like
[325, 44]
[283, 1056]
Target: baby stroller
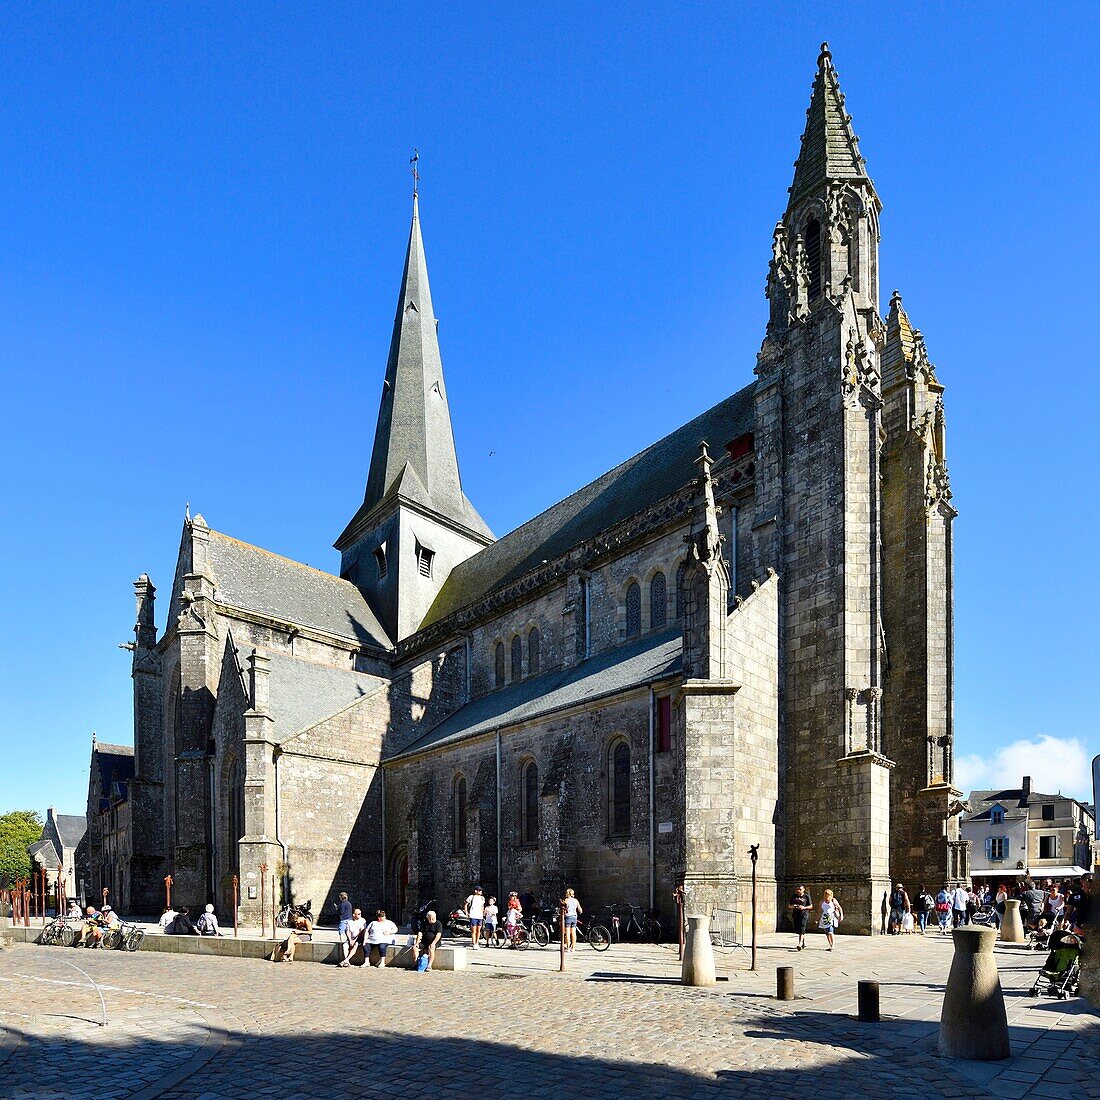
[1062, 969]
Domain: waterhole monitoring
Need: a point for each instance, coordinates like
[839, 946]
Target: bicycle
[597, 936]
[645, 929]
[132, 937]
[58, 933]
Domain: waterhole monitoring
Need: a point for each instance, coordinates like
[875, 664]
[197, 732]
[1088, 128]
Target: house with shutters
[739, 637]
[1021, 833]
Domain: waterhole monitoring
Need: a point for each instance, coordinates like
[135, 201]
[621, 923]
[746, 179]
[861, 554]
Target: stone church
[740, 636]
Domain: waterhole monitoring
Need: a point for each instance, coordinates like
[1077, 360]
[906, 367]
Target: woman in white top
[831, 915]
[571, 909]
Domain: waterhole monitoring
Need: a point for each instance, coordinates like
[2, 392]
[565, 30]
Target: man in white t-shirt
[354, 931]
[475, 910]
[960, 896]
[380, 933]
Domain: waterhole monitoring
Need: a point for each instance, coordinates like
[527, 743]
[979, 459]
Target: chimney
[1027, 787]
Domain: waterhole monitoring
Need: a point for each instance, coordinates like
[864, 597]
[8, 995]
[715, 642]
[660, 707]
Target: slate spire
[830, 150]
[414, 449]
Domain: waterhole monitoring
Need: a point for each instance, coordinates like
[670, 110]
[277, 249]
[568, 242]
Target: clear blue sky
[203, 211]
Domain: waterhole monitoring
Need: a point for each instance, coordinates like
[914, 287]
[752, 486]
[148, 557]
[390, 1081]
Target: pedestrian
[1056, 902]
[800, 906]
[346, 911]
[943, 908]
[959, 898]
[572, 910]
[492, 912]
[380, 933]
[475, 910]
[352, 938]
[831, 916]
[999, 900]
[926, 905]
[1079, 904]
[207, 923]
[899, 906]
[183, 925]
[427, 940]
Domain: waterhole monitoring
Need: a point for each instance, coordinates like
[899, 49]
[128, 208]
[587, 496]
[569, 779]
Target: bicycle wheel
[112, 939]
[540, 933]
[651, 929]
[68, 937]
[599, 937]
[523, 939]
[135, 939]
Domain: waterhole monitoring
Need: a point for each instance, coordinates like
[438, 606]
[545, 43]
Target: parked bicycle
[58, 933]
[596, 934]
[638, 924]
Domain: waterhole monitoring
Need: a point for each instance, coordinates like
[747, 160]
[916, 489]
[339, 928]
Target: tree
[17, 830]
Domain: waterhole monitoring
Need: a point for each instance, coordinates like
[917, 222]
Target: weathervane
[414, 160]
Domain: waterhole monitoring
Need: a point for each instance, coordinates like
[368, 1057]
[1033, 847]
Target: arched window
[811, 238]
[498, 663]
[517, 658]
[633, 610]
[458, 809]
[529, 803]
[234, 782]
[681, 570]
[658, 602]
[618, 789]
[534, 656]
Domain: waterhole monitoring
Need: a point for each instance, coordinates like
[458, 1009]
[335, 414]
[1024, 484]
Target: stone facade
[738, 639]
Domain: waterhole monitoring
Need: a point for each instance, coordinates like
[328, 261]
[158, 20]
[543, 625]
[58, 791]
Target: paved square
[617, 1023]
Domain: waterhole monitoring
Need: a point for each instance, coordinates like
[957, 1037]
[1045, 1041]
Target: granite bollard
[698, 968]
[973, 1023]
[1012, 927]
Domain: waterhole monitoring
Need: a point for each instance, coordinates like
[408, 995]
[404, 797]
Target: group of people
[178, 922]
[94, 923]
[830, 914]
[485, 924]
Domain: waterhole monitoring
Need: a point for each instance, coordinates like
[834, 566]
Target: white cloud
[1054, 764]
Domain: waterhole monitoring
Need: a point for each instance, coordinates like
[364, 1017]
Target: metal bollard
[784, 983]
[867, 1000]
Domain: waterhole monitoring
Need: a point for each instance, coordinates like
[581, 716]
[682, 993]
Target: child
[491, 914]
[511, 922]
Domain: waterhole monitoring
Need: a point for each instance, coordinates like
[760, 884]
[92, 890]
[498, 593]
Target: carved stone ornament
[938, 484]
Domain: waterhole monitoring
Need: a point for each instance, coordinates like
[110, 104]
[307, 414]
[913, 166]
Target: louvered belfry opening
[811, 238]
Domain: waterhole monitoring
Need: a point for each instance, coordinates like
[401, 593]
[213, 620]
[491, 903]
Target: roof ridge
[108, 747]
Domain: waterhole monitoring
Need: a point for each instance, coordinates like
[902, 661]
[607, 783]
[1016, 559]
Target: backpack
[203, 924]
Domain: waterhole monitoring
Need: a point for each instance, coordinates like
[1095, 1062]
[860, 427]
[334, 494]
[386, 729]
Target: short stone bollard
[973, 1023]
[867, 1002]
[698, 967]
[784, 983]
[1012, 927]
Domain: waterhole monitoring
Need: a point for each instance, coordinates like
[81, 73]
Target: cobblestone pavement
[617, 1023]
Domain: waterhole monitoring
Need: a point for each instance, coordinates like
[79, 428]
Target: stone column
[1012, 927]
[698, 967]
[973, 1023]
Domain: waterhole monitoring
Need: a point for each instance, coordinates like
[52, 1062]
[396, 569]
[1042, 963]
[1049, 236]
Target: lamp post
[754, 853]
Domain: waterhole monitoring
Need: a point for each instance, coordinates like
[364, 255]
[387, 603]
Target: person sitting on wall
[351, 939]
[427, 940]
[207, 923]
[380, 933]
[301, 929]
[91, 932]
[183, 925]
[166, 919]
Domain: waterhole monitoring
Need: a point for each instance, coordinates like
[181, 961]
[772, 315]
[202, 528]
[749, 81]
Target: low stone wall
[398, 954]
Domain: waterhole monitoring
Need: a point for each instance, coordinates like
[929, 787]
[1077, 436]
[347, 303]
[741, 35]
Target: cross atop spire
[830, 150]
[414, 160]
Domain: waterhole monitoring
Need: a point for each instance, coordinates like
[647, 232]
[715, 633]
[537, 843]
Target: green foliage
[17, 829]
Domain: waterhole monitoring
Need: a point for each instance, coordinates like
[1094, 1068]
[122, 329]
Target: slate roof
[71, 828]
[303, 694]
[1013, 801]
[248, 577]
[630, 487]
[829, 147]
[44, 854]
[414, 446]
[609, 673]
[115, 764]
